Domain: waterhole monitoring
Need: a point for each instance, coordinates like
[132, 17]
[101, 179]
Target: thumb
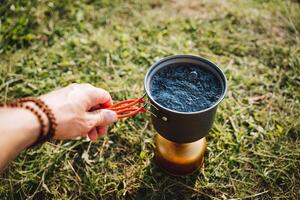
[102, 117]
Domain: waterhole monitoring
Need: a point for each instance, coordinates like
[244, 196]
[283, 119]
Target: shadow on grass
[157, 184]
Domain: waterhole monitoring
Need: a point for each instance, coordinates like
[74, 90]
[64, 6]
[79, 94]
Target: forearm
[19, 128]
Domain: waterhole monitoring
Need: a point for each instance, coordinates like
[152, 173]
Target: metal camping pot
[183, 127]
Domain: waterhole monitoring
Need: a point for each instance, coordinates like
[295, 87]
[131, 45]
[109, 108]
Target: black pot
[183, 127]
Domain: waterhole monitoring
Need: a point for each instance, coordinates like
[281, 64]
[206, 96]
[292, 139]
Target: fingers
[100, 96]
[102, 130]
[93, 135]
[97, 132]
[100, 121]
[97, 96]
[101, 117]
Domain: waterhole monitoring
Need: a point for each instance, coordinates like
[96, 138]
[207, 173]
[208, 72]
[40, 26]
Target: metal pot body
[183, 127]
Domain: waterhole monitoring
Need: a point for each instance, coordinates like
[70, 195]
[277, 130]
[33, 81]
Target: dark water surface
[185, 88]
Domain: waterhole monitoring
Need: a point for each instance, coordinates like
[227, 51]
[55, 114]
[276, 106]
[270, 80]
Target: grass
[253, 150]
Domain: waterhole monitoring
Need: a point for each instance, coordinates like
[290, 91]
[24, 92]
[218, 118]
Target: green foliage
[253, 149]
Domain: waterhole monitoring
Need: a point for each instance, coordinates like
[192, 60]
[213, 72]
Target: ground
[253, 148]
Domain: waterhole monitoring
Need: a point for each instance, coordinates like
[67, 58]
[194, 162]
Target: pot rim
[221, 73]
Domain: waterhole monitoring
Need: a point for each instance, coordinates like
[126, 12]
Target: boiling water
[186, 88]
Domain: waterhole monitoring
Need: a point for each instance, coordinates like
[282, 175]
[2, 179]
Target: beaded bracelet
[44, 135]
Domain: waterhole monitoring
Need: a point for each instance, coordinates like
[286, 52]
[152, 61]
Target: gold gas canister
[179, 158]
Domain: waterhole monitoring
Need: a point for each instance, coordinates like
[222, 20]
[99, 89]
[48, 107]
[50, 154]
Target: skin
[71, 106]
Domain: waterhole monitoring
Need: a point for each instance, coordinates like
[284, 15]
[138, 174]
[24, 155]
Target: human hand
[71, 106]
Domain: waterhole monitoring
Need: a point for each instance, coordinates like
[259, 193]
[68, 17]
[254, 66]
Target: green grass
[253, 150]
